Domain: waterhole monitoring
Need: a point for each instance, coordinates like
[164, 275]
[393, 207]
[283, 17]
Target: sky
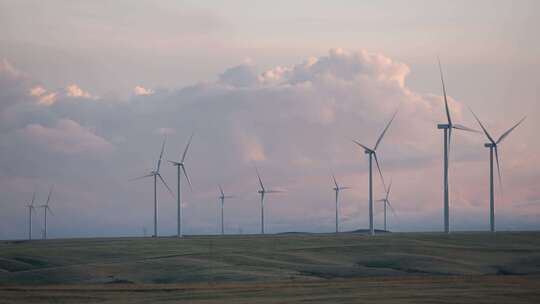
[88, 90]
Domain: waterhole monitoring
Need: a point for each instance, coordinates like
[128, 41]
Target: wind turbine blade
[482, 126]
[259, 176]
[498, 167]
[510, 130]
[275, 191]
[50, 210]
[344, 188]
[379, 168]
[388, 190]
[33, 199]
[366, 148]
[187, 177]
[384, 131]
[228, 196]
[464, 128]
[49, 196]
[335, 182]
[187, 147]
[166, 186]
[444, 94]
[140, 177]
[161, 154]
[221, 190]
[380, 200]
[391, 208]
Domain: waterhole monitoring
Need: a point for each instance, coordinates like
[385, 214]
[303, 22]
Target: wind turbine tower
[373, 155]
[493, 147]
[46, 208]
[181, 168]
[386, 202]
[222, 198]
[336, 189]
[447, 135]
[31, 208]
[155, 174]
[262, 191]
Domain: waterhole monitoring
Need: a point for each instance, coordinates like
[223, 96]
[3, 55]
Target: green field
[344, 268]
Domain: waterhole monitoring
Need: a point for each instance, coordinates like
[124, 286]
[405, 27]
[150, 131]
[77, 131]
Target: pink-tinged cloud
[142, 91]
[75, 91]
[66, 137]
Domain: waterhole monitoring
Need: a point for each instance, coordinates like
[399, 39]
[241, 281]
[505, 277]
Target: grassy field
[344, 268]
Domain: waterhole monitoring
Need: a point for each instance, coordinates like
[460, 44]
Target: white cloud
[75, 91]
[296, 122]
[142, 91]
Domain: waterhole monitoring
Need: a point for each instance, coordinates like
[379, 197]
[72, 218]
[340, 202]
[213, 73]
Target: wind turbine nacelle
[489, 145]
[443, 126]
[260, 191]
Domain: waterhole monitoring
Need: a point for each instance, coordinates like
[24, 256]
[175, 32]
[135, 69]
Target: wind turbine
[222, 198]
[447, 131]
[373, 154]
[46, 208]
[262, 192]
[155, 173]
[180, 167]
[31, 208]
[336, 189]
[493, 146]
[386, 202]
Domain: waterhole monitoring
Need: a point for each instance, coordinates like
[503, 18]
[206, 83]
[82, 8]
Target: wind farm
[269, 152]
[282, 257]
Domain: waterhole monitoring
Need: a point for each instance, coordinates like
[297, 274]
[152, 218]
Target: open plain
[472, 267]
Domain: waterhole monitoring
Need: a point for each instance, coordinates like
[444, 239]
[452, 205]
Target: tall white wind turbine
[181, 168]
[447, 131]
[155, 173]
[262, 191]
[493, 146]
[222, 198]
[373, 154]
[31, 208]
[336, 189]
[46, 208]
[386, 202]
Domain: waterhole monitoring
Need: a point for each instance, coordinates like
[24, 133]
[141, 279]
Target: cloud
[75, 91]
[142, 91]
[294, 122]
[37, 91]
[66, 137]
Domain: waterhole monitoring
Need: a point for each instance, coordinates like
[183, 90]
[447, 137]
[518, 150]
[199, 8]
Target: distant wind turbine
[31, 208]
[155, 173]
[386, 201]
[180, 166]
[222, 198]
[493, 146]
[447, 129]
[262, 192]
[46, 208]
[373, 154]
[336, 189]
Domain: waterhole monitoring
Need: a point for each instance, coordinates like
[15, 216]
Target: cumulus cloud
[66, 137]
[295, 122]
[142, 91]
[75, 91]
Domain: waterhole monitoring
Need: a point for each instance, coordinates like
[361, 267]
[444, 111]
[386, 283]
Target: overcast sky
[88, 90]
